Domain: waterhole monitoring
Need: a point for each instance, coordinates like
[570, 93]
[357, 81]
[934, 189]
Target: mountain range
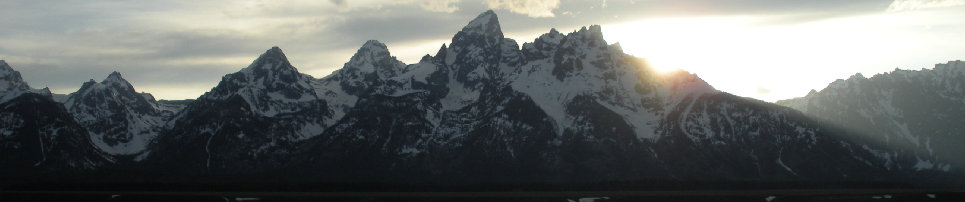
[564, 108]
[921, 114]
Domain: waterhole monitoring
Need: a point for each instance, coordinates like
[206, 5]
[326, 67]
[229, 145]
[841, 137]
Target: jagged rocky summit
[119, 120]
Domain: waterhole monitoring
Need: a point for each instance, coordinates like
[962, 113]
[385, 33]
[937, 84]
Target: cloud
[439, 5]
[531, 8]
[360, 28]
[62, 43]
[341, 4]
[905, 5]
[146, 57]
[444, 6]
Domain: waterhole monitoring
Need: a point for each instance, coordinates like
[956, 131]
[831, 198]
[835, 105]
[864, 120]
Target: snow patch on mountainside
[542, 87]
[781, 163]
[458, 97]
[562, 67]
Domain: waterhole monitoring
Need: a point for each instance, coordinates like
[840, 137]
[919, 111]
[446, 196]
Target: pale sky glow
[765, 49]
[747, 56]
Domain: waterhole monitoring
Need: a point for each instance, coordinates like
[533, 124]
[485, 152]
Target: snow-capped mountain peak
[486, 23]
[957, 65]
[5, 68]
[10, 79]
[115, 87]
[591, 34]
[120, 120]
[263, 107]
[271, 63]
[117, 81]
[374, 56]
[12, 84]
[372, 49]
[273, 53]
[371, 70]
[483, 32]
[115, 77]
[441, 53]
[268, 89]
[270, 85]
[544, 46]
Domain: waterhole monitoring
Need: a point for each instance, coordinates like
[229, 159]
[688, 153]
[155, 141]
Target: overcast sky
[766, 49]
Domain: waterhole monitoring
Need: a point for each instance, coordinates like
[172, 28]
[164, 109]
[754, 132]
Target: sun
[659, 66]
[654, 65]
[669, 45]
